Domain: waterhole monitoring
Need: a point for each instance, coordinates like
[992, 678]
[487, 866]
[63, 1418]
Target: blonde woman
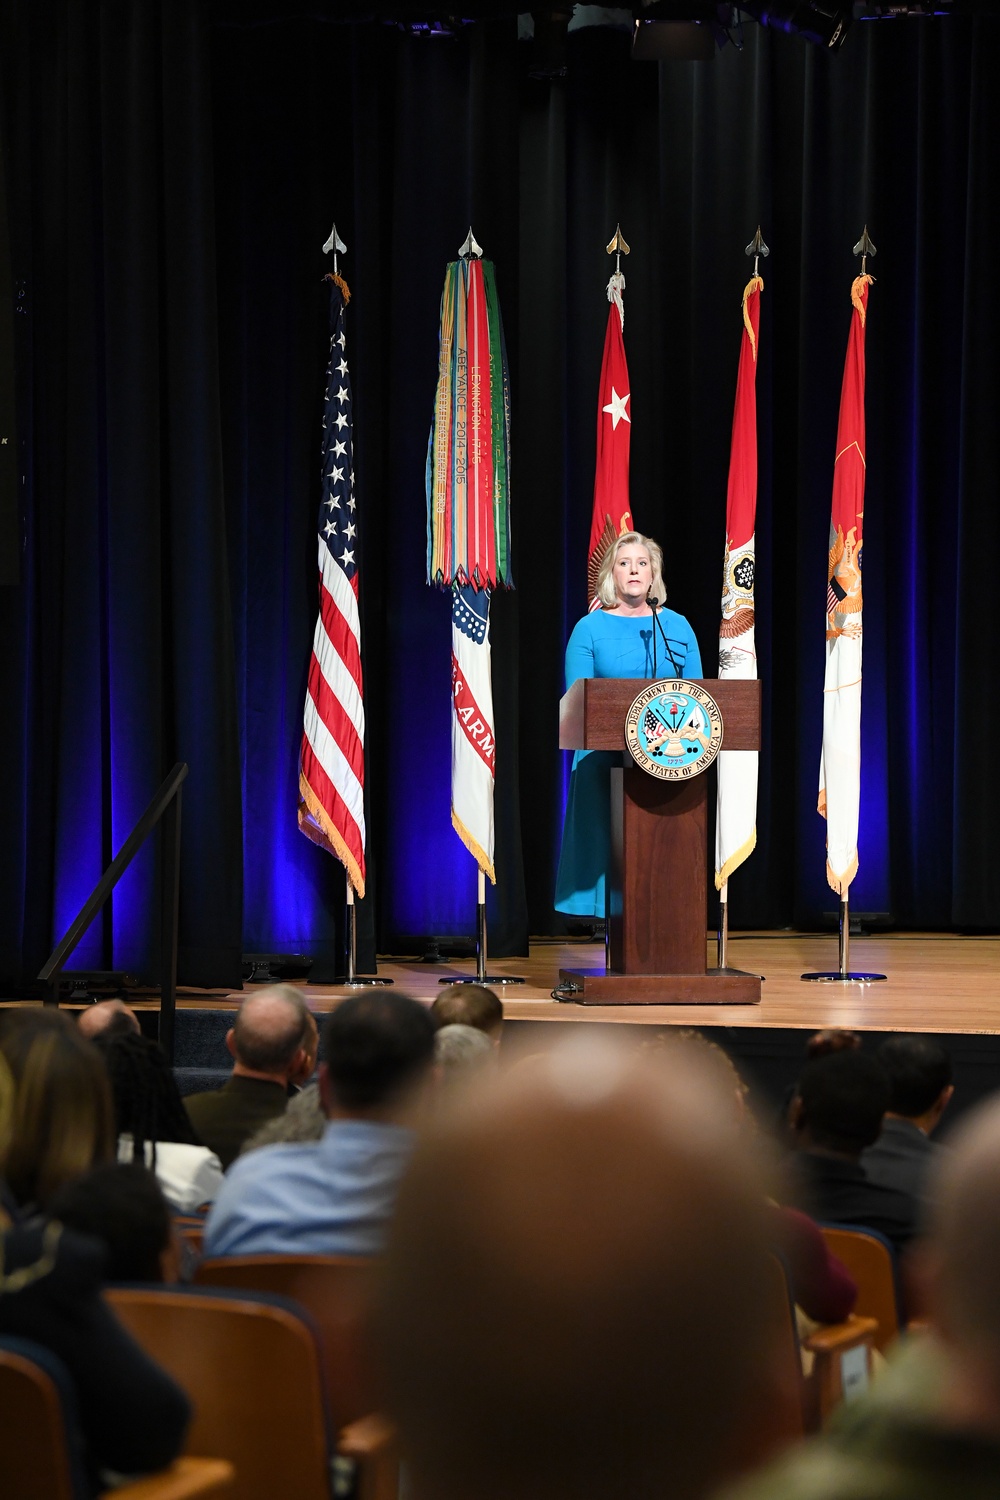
[626, 637]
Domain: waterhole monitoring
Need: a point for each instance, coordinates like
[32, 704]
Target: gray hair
[303, 1120]
[605, 581]
[270, 1027]
[461, 1049]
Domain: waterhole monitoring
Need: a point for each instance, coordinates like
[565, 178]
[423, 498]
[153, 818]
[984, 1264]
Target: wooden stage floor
[937, 982]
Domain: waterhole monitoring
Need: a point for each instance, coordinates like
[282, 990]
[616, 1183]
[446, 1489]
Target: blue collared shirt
[334, 1196]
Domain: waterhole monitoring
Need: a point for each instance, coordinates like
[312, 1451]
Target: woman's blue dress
[608, 644]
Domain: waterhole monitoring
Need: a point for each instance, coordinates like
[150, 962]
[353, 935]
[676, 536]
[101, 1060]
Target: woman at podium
[630, 635]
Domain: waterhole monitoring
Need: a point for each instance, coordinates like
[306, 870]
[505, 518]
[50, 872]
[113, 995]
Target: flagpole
[757, 248]
[354, 980]
[844, 974]
[473, 560]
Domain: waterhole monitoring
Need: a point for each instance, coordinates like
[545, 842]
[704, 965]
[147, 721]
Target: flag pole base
[481, 976]
[845, 974]
[355, 981]
[835, 977]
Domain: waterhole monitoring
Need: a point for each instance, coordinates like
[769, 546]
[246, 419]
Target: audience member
[930, 1425]
[920, 1090]
[336, 1196]
[121, 1204]
[111, 1016]
[832, 1039]
[469, 1005]
[460, 1051]
[563, 1314]
[151, 1123]
[273, 1043]
[835, 1114]
[822, 1287]
[303, 1120]
[61, 1120]
[132, 1416]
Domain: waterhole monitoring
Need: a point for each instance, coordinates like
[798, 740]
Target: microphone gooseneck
[657, 622]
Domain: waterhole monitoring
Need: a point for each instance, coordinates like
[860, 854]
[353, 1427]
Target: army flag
[612, 515]
[840, 762]
[468, 528]
[736, 816]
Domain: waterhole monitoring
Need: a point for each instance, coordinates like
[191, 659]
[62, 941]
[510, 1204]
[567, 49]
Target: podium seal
[673, 730]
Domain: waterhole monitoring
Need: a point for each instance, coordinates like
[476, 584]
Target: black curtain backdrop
[173, 170]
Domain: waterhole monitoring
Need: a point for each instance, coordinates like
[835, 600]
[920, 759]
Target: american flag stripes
[332, 762]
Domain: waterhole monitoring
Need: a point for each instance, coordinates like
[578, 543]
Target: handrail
[166, 804]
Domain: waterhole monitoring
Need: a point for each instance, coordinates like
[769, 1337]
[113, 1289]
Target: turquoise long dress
[607, 644]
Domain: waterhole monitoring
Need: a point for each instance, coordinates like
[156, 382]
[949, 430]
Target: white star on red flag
[616, 408]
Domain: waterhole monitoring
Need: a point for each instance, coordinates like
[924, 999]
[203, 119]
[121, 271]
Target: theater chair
[336, 1291]
[250, 1362]
[40, 1447]
[837, 1355]
[871, 1260]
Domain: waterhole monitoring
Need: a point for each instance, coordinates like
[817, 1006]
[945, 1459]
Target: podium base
[598, 987]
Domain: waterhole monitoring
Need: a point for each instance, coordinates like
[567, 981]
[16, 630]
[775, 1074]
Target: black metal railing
[166, 805]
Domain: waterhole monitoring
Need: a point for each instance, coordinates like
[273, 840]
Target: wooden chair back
[872, 1263]
[252, 1370]
[336, 1290]
[34, 1464]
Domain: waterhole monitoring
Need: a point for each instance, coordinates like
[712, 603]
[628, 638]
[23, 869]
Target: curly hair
[147, 1101]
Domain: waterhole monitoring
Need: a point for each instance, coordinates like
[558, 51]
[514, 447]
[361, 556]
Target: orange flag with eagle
[840, 763]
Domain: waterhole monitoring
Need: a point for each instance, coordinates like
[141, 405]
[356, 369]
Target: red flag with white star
[612, 511]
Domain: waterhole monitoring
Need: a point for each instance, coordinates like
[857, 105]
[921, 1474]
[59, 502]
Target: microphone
[655, 605]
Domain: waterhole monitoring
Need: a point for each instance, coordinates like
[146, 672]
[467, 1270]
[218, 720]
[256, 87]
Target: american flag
[332, 762]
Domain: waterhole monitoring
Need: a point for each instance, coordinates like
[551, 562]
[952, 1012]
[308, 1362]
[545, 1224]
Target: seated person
[121, 1205]
[835, 1114]
[133, 1417]
[336, 1196]
[152, 1124]
[930, 1425]
[273, 1043]
[563, 1313]
[920, 1090]
[459, 1052]
[61, 1122]
[112, 1016]
[469, 1005]
[822, 1288]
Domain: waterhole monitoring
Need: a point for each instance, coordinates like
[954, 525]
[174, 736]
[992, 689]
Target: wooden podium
[658, 881]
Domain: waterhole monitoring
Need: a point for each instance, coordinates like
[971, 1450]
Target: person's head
[460, 1051]
[632, 570]
[560, 1279]
[832, 1039]
[960, 1261]
[920, 1086]
[147, 1101]
[270, 1037]
[111, 1016]
[683, 1041]
[121, 1204]
[61, 1120]
[378, 1049]
[469, 1005]
[839, 1102]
